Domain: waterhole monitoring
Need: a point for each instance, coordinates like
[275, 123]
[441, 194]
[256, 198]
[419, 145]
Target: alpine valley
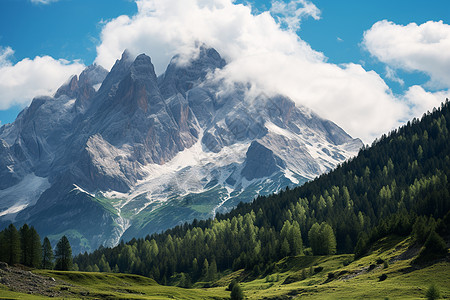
[126, 153]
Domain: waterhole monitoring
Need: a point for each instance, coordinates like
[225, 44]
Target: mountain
[125, 153]
[395, 192]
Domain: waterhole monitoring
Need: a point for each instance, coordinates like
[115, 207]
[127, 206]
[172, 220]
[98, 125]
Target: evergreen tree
[237, 293]
[31, 248]
[285, 249]
[434, 247]
[212, 271]
[47, 254]
[25, 245]
[75, 267]
[205, 269]
[295, 239]
[103, 265]
[63, 255]
[95, 268]
[195, 268]
[35, 248]
[12, 251]
[433, 293]
[329, 240]
[314, 238]
[322, 239]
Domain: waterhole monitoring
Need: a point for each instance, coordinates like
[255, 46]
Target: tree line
[399, 185]
[387, 189]
[24, 247]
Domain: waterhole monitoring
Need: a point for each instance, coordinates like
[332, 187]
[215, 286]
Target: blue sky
[71, 34]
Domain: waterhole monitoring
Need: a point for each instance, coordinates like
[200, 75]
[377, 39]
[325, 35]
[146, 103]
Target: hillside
[333, 277]
[376, 226]
[383, 190]
[121, 154]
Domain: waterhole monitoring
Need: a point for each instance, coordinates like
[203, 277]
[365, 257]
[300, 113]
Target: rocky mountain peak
[69, 89]
[141, 154]
[93, 75]
[182, 76]
[142, 68]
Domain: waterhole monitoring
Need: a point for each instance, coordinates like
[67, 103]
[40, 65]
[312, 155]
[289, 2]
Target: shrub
[236, 292]
[434, 247]
[433, 293]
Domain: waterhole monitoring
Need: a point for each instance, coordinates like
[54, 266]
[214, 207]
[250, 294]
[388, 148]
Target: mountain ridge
[150, 152]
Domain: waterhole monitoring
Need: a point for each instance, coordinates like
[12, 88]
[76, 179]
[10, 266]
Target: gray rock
[180, 139]
[260, 162]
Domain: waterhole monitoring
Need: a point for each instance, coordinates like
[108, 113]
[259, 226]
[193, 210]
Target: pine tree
[95, 268]
[322, 239]
[329, 240]
[237, 293]
[295, 239]
[433, 293]
[195, 268]
[12, 245]
[205, 269]
[103, 265]
[285, 249]
[25, 245]
[35, 248]
[63, 255]
[47, 254]
[314, 238]
[212, 271]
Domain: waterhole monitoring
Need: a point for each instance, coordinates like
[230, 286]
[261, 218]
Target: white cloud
[392, 75]
[5, 53]
[28, 78]
[43, 1]
[291, 13]
[257, 50]
[163, 28]
[413, 47]
[422, 101]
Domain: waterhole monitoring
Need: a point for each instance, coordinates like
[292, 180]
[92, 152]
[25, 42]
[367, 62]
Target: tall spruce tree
[25, 246]
[47, 254]
[35, 248]
[322, 239]
[12, 250]
[63, 255]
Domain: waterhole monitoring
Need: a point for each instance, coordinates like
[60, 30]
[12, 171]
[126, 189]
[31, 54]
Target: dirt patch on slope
[21, 279]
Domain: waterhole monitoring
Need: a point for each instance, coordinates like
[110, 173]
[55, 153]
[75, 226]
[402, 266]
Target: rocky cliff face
[126, 153]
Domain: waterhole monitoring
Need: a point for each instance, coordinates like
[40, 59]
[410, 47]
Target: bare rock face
[126, 153]
[260, 162]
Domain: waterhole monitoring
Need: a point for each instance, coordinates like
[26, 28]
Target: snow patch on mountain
[24, 194]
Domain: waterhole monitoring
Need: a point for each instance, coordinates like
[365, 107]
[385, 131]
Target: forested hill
[403, 172]
[384, 189]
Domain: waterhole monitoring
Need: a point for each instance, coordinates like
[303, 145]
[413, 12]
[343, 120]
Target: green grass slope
[299, 277]
[92, 285]
[338, 277]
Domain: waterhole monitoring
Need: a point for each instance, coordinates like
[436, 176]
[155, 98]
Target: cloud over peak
[261, 49]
